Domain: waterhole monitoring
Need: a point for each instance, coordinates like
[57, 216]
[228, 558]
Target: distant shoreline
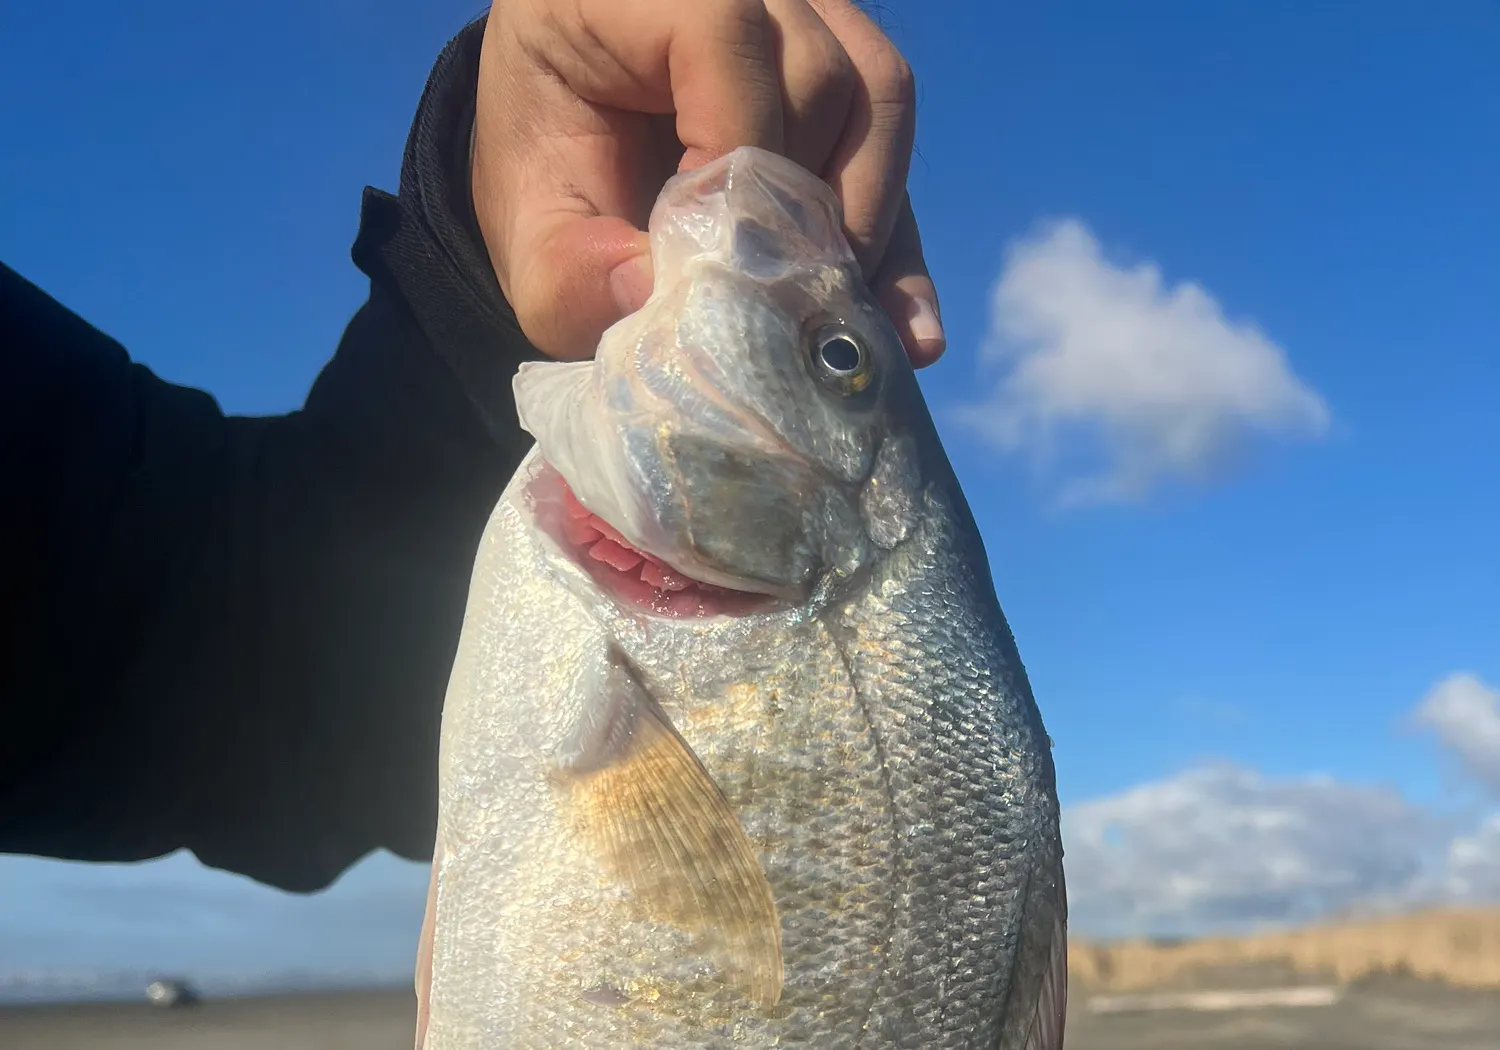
[14, 997]
[300, 1020]
[1459, 947]
[291, 996]
[1454, 946]
[1381, 1015]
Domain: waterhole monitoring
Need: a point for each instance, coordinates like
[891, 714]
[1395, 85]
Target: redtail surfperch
[737, 749]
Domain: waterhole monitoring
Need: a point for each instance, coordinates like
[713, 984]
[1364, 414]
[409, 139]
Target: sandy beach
[1374, 1014]
[1379, 1015]
[346, 1021]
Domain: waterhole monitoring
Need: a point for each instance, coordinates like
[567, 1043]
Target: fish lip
[548, 497]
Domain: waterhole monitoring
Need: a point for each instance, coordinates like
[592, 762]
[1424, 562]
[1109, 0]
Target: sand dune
[1459, 947]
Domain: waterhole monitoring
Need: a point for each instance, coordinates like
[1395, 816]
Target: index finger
[710, 62]
[726, 82]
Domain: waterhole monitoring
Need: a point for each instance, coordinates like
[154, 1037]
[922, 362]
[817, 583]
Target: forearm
[238, 631]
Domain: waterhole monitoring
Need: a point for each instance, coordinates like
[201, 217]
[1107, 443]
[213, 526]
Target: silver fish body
[737, 749]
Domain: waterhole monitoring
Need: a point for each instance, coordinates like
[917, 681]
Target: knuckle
[820, 79]
[741, 29]
[891, 78]
[746, 14]
[833, 68]
[887, 76]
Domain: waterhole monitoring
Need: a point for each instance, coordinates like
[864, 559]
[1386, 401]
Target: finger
[817, 82]
[904, 288]
[568, 267]
[868, 168]
[565, 176]
[711, 62]
[726, 88]
[561, 187]
[572, 275]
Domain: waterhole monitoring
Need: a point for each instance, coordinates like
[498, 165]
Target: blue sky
[1277, 222]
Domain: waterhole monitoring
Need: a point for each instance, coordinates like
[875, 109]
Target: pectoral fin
[666, 830]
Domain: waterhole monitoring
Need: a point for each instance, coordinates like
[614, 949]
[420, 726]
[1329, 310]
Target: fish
[737, 748]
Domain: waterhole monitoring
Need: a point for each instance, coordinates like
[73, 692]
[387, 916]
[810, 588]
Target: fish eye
[840, 359]
[840, 354]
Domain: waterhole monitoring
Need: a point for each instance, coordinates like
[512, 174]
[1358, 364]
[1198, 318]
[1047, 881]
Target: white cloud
[1471, 869]
[1104, 363]
[1223, 846]
[1464, 713]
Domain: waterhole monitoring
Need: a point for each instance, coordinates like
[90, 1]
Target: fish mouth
[627, 574]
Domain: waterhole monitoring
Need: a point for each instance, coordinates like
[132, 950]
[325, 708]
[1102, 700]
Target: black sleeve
[234, 634]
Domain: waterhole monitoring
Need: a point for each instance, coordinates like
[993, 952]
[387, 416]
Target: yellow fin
[667, 831]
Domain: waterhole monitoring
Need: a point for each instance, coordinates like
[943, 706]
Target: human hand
[586, 107]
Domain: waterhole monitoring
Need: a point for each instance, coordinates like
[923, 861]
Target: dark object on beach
[171, 993]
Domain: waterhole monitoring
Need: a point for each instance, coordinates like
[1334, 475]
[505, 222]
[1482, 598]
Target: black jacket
[233, 634]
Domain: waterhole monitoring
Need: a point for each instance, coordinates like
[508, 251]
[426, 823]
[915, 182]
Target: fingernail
[922, 319]
[630, 283]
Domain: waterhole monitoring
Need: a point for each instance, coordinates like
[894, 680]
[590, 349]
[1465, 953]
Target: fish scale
[786, 737]
[978, 793]
[806, 802]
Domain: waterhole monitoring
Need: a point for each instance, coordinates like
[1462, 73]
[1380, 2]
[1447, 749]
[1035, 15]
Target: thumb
[585, 108]
[573, 275]
[558, 202]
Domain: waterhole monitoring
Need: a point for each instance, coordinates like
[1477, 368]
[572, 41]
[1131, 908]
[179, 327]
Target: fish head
[747, 432]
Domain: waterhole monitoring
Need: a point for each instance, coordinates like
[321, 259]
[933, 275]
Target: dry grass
[1458, 947]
